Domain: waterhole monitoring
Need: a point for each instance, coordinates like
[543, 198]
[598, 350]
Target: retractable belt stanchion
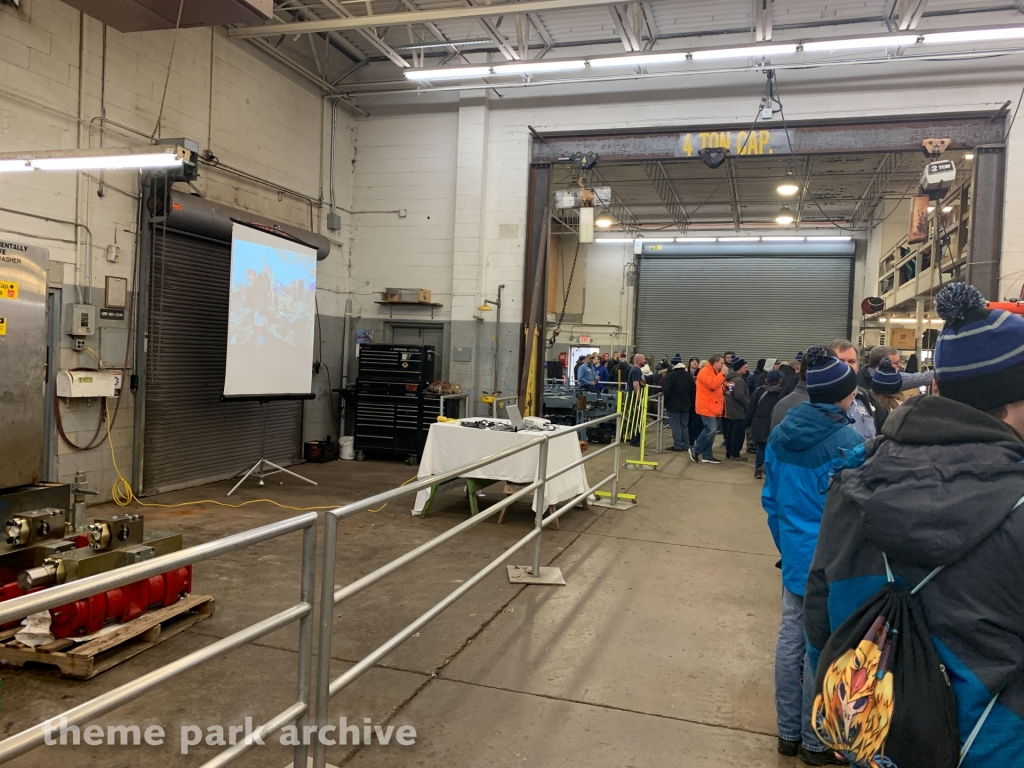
[641, 401]
[615, 499]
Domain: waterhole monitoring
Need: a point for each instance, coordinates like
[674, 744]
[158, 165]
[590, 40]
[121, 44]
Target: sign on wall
[756, 142]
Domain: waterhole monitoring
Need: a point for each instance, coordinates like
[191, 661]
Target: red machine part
[83, 617]
[11, 590]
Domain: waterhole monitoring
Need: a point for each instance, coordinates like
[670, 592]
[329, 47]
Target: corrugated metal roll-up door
[190, 436]
[756, 306]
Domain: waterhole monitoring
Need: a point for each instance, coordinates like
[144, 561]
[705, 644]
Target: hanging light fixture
[784, 216]
[788, 186]
[605, 219]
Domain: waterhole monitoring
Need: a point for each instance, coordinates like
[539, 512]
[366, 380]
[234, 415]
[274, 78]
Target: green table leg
[473, 485]
[430, 501]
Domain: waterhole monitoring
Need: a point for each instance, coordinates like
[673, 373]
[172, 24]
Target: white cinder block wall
[251, 114]
[833, 93]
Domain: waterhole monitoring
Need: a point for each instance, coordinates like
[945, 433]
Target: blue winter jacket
[802, 453]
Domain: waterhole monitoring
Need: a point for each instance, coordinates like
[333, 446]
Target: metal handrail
[301, 612]
[329, 597]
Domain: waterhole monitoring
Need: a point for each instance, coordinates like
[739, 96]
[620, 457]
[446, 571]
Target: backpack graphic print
[883, 699]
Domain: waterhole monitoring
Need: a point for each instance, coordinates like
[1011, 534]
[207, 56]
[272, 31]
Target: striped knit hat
[886, 380]
[979, 356]
[829, 379]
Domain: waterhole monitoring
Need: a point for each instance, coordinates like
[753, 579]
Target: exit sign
[584, 339]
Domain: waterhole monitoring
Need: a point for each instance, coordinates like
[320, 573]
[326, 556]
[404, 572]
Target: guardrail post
[617, 500]
[661, 418]
[535, 574]
[306, 595]
[323, 650]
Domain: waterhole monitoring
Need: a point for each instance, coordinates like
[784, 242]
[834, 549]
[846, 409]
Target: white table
[450, 446]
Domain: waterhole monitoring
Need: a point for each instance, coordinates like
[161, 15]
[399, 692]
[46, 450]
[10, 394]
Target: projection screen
[270, 315]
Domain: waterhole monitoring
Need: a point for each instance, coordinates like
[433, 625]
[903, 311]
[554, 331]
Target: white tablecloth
[450, 446]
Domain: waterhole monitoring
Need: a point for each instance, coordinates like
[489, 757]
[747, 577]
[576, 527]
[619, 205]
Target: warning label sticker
[3, 326]
[8, 290]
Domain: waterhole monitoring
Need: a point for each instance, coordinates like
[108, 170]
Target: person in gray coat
[793, 399]
[737, 398]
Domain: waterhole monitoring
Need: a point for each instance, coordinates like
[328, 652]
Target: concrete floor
[658, 651]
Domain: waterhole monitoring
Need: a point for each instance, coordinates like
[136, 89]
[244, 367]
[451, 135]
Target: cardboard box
[405, 294]
[903, 338]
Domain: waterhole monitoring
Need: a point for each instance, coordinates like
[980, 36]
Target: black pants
[734, 436]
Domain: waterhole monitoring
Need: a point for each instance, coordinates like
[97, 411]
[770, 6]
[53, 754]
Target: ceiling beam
[413, 17]
[628, 221]
[652, 29]
[369, 34]
[491, 28]
[620, 28]
[666, 192]
[763, 16]
[345, 45]
[911, 12]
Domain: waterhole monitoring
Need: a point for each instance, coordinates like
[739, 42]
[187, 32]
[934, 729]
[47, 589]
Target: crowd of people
[874, 497]
[877, 489]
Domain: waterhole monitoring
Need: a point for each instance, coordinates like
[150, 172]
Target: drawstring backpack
[883, 698]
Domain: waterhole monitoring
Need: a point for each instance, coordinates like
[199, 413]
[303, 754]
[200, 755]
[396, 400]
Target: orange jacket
[710, 395]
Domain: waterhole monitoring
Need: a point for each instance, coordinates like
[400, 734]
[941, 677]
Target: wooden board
[87, 660]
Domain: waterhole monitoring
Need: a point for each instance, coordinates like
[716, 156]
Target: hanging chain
[565, 299]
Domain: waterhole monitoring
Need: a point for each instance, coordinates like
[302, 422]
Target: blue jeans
[794, 681]
[706, 440]
[679, 421]
[759, 458]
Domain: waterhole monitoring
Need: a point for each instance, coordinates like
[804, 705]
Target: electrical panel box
[80, 319]
[86, 384]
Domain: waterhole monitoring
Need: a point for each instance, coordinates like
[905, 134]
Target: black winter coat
[679, 389]
[759, 413]
[941, 486]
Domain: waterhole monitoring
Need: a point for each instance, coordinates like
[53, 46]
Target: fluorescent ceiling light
[969, 156]
[738, 239]
[743, 53]
[931, 208]
[844, 239]
[947, 209]
[783, 239]
[7, 166]
[657, 239]
[883, 320]
[895, 41]
[109, 163]
[973, 36]
[530, 67]
[447, 73]
[696, 239]
[115, 158]
[604, 240]
[640, 61]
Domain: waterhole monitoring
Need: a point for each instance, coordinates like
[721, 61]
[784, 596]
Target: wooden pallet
[86, 660]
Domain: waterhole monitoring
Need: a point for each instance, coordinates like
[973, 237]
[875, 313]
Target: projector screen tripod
[259, 468]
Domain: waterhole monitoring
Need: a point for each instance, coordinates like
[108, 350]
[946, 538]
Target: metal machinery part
[76, 515]
[22, 345]
[115, 532]
[61, 567]
[34, 527]
[108, 543]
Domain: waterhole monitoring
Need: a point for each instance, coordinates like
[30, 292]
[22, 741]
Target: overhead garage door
[191, 437]
[756, 306]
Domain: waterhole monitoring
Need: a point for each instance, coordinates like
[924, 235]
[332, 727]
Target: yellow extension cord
[123, 495]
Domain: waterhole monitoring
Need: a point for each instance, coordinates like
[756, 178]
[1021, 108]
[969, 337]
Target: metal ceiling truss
[872, 196]
[628, 221]
[734, 192]
[666, 192]
[808, 162]
[291, 6]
